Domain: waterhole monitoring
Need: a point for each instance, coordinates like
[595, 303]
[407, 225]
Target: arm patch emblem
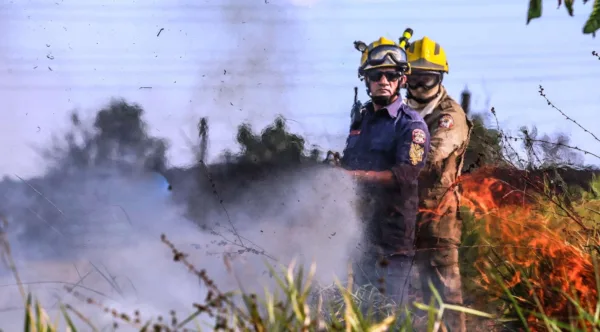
[418, 136]
[416, 153]
[446, 121]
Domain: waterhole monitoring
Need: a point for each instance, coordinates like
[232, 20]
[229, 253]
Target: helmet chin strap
[424, 100]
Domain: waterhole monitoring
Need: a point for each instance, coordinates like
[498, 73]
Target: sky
[248, 60]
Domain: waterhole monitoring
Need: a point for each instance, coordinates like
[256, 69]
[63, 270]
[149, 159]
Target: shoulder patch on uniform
[354, 132]
[418, 136]
[446, 121]
[416, 153]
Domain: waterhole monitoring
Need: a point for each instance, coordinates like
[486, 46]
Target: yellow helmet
[382, 53]
[426, 54]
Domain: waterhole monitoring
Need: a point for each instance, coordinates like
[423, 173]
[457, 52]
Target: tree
[203, 135]
[591, 25]
[544, 151]
[119, 137]
[51, 206]
[263, 158]
[485, 145]
[274, 145]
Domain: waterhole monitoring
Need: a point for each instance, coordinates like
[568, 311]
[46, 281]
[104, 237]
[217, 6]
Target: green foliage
[119, 135]
[469, 251]
[121, 129]
[569, 6]
[591, 25]
[545, 151]
[36, 318]
[594, 193]
[535, 10]
[288, 308]
[485, 146]
[274, 145]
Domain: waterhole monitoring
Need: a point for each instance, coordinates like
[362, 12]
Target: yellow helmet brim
[422, 64]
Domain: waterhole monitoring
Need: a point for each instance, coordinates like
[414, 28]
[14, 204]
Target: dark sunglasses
[391, 76]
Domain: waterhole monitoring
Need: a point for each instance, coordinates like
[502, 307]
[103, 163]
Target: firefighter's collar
[394, 107]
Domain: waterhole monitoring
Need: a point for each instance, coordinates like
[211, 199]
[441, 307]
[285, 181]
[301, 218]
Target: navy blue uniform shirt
[385, 138]
[394, 139]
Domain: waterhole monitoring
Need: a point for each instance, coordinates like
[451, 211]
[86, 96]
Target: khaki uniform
[439, 226]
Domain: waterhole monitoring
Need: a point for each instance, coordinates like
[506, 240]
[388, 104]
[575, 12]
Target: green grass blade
[29, 320]
[68, 319]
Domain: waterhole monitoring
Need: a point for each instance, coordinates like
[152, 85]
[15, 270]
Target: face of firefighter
[424, 85]
[383, 84]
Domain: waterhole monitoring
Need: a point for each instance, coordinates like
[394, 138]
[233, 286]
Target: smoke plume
[93, 222]
[252, 70]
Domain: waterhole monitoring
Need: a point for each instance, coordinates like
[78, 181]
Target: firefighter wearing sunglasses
[439, 223]
[385, 150]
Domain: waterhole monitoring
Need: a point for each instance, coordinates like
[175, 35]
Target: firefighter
[385, 151]
[439, 224]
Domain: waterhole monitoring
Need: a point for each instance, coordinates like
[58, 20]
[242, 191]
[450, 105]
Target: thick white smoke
[98, 230]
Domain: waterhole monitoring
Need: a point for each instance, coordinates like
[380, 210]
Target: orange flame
[531, 241]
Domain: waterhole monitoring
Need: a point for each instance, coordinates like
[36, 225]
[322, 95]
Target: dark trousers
[390, 275]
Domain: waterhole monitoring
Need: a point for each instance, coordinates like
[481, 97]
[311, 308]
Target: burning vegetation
[534, 244]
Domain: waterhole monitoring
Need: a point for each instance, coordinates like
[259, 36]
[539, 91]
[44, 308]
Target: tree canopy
[274, 145]
[591, 25]
[119, 136]
[485, 146]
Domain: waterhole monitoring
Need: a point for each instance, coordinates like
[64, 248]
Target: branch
[541, 91]
[504, 137]
[212, 183]
[554, 143]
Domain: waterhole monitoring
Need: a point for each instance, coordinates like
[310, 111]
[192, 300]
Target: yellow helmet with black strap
[429, 63]
[382, 53]
[427, 55]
